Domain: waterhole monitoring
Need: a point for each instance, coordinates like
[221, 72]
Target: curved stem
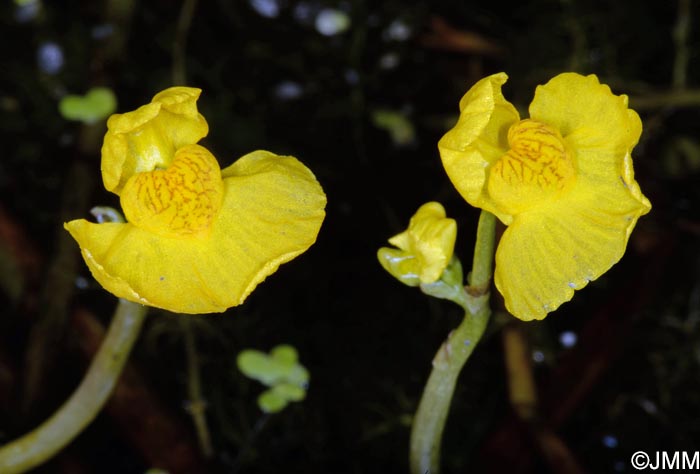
[82, 407]
[429, 422]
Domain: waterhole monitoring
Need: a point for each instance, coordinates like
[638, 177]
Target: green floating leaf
[284, 353]
[259, 366]
[271, 402]
[280, 366]
[278, 397]
[97, 104]
[290, 392]
[279, 370]
[397, 124]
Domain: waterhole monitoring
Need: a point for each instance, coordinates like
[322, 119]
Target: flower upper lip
[148, 137]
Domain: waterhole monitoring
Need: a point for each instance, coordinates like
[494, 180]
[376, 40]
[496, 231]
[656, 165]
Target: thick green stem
[482, 266]
[429, 422]
[82, 407]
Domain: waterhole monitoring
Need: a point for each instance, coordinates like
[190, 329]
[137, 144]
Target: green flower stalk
[196, 239]
[39, 445]
[429, 421]
[424, 258]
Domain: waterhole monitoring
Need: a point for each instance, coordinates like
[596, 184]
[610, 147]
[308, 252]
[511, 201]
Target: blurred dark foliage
[629, 383]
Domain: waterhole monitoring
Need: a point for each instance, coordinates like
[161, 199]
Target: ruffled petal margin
[273, 210]
[148, 137]
[478, 140]
[597, 125]
[545, 255]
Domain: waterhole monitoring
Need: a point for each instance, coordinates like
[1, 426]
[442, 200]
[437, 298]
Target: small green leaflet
[279, 370]
[97, 104]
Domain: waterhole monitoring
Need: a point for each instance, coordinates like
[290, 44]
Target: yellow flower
[424, 250]
[562, 181]
[197, 239]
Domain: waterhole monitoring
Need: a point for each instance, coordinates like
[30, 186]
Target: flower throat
[537, 167]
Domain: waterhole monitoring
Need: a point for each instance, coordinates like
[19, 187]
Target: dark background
[630, 382]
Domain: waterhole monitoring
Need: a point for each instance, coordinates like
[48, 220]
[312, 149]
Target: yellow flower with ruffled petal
[197, 239]
[561, 180]
[424, 249]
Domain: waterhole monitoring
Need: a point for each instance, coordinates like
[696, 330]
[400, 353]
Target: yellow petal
[146, 268]
[271, 212]
[478, 140]
[597, 125]
[400, 265]
[148, 137]
[545, 255]
[96, 243]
